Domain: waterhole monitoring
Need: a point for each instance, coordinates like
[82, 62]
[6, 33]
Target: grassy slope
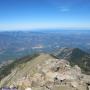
[23, 68]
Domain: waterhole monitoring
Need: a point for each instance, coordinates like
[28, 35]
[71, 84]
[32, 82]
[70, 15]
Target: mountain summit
[45, 72]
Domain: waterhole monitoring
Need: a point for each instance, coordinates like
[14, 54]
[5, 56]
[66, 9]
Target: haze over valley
[16, 44]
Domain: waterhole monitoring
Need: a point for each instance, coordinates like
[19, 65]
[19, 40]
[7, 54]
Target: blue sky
[44, 14]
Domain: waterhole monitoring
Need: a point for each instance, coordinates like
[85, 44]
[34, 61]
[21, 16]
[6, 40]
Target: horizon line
[15, 30]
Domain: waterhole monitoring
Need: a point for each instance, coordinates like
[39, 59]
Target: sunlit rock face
[28, 89]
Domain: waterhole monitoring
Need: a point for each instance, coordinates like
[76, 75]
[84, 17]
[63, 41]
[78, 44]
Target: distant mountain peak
[62, 52]
[75, 56]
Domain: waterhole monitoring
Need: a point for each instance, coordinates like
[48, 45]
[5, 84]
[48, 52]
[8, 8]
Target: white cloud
[64, 9]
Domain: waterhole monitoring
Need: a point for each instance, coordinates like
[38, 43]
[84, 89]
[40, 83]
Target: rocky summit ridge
[45, 72]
